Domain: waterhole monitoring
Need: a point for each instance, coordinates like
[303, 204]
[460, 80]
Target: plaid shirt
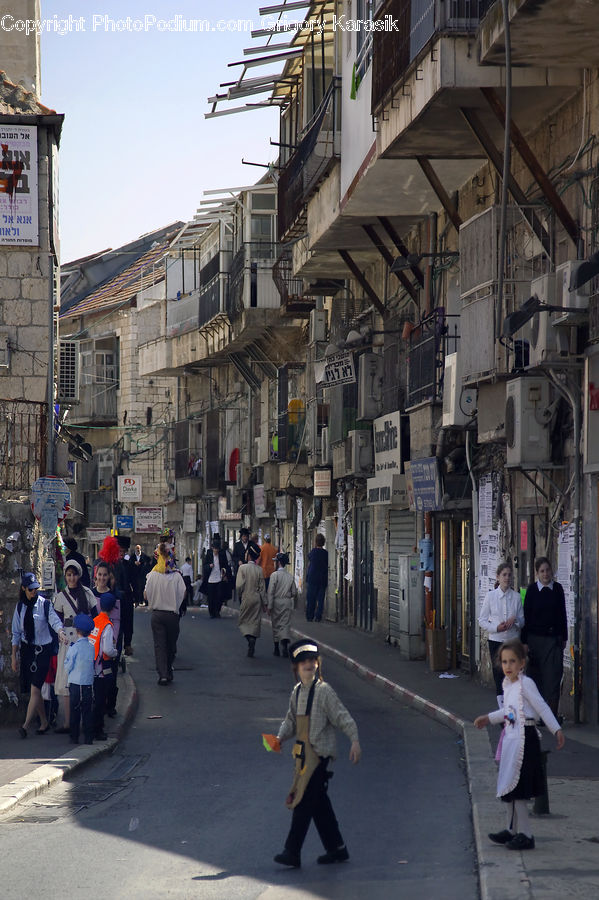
[328, 713]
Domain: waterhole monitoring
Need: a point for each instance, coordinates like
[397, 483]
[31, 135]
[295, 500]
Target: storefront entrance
[454, 609]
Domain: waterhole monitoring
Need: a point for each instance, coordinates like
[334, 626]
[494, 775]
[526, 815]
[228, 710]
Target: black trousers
[315, 804]
[165, 629]
[127, 620]
[102, 690]
[494, 648]
[215, 598]
[80, 710]
[546, 667]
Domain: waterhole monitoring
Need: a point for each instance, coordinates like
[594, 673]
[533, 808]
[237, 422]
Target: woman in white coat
[502, 617]
[281, 599]
[74, 599]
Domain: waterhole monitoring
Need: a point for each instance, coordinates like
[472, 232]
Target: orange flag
[271, 743]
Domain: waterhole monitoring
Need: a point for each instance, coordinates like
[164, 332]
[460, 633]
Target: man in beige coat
[252, 591]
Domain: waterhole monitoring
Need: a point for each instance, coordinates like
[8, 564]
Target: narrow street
[192, 805]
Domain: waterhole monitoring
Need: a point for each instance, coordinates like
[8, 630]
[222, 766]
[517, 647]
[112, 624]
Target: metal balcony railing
[251, 282]
[435, 337]
[417, 22]
[23, 437]
[310, 162]
[202, 305]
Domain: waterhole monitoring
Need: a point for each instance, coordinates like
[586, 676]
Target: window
[262, 228]
[365, 11]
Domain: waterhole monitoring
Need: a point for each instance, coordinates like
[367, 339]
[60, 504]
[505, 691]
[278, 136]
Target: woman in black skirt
[520, 773]
[32, 640]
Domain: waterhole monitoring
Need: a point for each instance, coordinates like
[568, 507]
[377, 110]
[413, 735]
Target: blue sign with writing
[425, 480]
[124, 523]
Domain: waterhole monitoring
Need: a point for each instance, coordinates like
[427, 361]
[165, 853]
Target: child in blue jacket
[79, 663]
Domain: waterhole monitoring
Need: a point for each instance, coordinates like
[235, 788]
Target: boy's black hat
[123, 541]
[243, 531]
[305, 648]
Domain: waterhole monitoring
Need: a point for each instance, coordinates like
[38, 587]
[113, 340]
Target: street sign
[336, 369]
[148, 519]
[129, 488]
[50, 502]
[124, 523]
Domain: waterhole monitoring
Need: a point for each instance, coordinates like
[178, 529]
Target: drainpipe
[572, 394]
[476, 547]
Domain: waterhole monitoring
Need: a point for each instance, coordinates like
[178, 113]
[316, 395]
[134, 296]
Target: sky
[136, 152]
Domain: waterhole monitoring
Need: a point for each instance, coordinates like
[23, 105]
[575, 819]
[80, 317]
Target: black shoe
[251, 644]
[521, 842]
[285, 648]
[501, 837]
[22, 732]
[276, 651]
[333, 856]
[286, 858]
[170, 675]
[163, 682]
[43, 730]
[112, 713]
[100, 736]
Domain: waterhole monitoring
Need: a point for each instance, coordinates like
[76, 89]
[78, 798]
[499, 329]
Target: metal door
[402, 538]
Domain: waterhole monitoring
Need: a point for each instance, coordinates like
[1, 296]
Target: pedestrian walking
[240, 549]
[267, 559]
[79, 666]
[314, 713]
[187, 573]
[33, 621]
[103, 644]
[75, 598]
[281, 600]
[140, 566]
[165, 591]
[520, 774]
[104, 584]
[317, 578]
[124, 576]
[250, 587]
[217, 583]
[545, 632]
[502, 617]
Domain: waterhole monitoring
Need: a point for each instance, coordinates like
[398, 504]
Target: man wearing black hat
[315, 711]
[240, 548]
[124, 585]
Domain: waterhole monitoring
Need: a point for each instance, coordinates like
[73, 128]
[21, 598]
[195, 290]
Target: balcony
[198, 308]
[435, 336]
[418, 23]
[251, 284]
[550, 32]
[290, 288]
[310, 162]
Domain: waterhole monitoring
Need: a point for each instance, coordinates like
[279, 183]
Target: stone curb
[38, 781]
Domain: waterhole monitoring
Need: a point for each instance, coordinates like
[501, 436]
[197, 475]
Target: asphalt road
[191, 805]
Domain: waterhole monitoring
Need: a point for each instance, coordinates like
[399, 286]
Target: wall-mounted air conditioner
[527, 417]
[325, 447]
[358, 453]
[370, 386]
[564, 275]
[244, 473]
[545, 341]
[459, 403]
[318, 326]
[68, 372]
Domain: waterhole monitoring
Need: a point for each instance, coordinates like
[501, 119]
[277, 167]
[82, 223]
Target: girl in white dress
[520, 775]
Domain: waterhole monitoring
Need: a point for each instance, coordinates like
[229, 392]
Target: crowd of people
[67, 650]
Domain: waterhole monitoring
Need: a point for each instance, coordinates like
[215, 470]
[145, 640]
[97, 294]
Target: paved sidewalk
[565, 862]
[28, 767]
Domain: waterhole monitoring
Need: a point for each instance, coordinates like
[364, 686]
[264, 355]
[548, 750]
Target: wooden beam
[388, 257]
[534, 166]
[496, 158]
[435, 183]
[388, 226]
[362, 281]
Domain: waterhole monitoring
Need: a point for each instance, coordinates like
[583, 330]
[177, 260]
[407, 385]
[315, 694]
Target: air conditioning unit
[318, 326]
[358, 452]
[325, 447]
[527, 418]
[244, 474]
[564, 276]
[258, 474]
[68, 372]
[370, 386]
[234, 498]
[459, 403]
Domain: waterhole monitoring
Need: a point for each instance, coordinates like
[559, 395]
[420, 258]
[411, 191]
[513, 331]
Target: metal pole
[50, 379]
